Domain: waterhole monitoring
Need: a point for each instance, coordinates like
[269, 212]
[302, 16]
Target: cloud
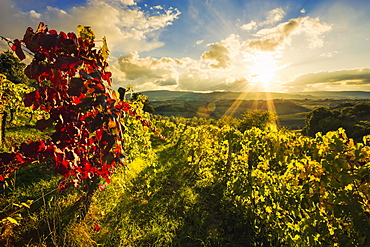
[126, 26]
[34, 14]
[348, 77]
[274, 15]
[273, 38]
[199, 42]
[196, 79]
[249, 26]
[314, 31]
[150, 73]
[135, 67]
[329, 54]
[222, 55]
[219, 55]
[203, 74]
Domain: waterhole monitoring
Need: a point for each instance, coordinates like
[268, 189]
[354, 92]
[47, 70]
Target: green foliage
[11, 102]
[211, 186]
[228, 120]
[147, 107]
[11, 97]
[256, 118]
[351, 118]
[13, 68]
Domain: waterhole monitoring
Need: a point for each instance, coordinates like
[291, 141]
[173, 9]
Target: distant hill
[339, 94]
[163, 95]
[291, 108]
[217, 108]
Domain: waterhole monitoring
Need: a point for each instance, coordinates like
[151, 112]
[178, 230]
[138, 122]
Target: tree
[256, 118]
[13, 69]
[324, 119]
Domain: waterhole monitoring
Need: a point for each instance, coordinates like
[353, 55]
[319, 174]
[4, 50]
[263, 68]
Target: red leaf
[102, 187]
[61, 169]
[66, 62]
[97, 122]
[76, 87]
[132, 113]
[43, 124]
[29, 98]
[32, 149]
[17, 47]
[28, 40]
[144, 122]
[106, 76]
[7, 158]
[2, 178]
[123, 106]
[96, 227]
[49, 152]
[99, 134]
[38, 71]
[47, 41]
[73, 37]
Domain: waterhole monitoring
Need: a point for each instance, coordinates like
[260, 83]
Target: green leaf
[104, 49]
[25, 205]
[85, 32]
[11, 220]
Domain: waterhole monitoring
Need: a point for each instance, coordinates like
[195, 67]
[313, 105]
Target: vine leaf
[17, 47]
[44, 124]
[85, 32]
[104, 49]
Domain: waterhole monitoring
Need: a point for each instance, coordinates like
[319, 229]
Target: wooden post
[3, 116]
[1, 128]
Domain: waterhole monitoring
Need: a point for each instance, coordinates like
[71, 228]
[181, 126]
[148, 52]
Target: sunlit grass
[20, 134]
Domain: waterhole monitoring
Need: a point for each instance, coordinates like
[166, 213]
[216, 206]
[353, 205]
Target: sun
[262, 68]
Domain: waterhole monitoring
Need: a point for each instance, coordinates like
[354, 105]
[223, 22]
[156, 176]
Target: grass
[158, 203]
[20, 134]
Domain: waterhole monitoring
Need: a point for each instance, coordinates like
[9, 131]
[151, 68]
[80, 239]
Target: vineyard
[207, 186]
[95, 170]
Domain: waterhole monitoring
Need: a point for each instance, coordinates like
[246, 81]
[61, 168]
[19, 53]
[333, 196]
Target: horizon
[224, 91]
[240, 46]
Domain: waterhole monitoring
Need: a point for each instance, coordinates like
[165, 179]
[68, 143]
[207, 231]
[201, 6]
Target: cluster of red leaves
[74, 87]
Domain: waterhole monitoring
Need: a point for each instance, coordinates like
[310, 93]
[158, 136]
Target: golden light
[262, 69]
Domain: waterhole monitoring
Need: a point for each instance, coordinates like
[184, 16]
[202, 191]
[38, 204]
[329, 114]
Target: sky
[216, 45]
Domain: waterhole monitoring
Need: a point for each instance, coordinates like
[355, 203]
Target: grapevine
[87, 115]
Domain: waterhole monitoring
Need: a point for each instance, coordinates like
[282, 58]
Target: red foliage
[96, 227]
[17, 47]
[86, 114]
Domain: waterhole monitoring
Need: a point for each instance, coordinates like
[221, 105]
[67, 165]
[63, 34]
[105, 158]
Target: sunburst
[262, 67]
